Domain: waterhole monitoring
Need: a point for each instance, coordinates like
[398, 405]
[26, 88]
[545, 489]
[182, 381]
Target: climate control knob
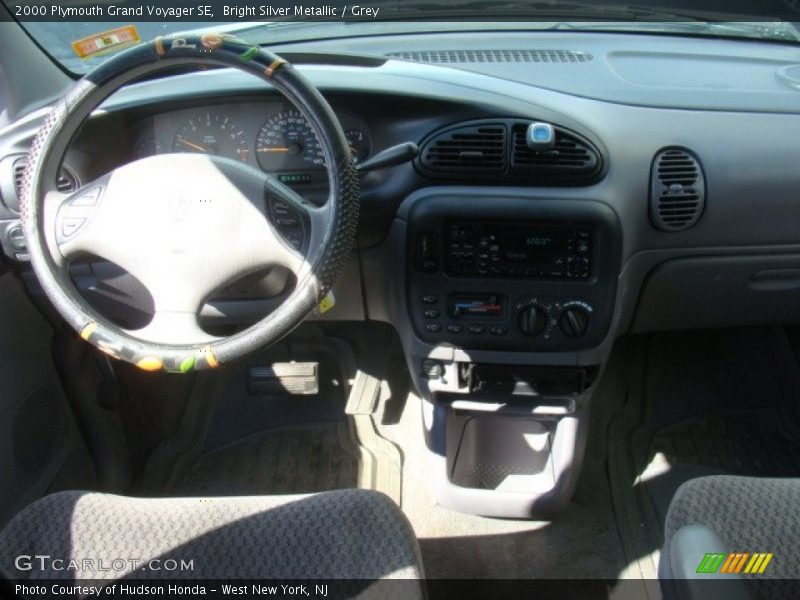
[532, 320]
[574, 321]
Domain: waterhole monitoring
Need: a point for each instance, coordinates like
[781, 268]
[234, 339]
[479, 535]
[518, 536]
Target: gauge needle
[278, 149]
[191, 145]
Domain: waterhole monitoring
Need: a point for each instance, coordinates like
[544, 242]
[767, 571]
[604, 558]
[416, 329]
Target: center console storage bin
[503, 453]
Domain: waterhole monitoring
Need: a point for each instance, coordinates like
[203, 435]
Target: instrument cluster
[274, 137]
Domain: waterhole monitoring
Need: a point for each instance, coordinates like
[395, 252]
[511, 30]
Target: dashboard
[505, 254]
[662, 195]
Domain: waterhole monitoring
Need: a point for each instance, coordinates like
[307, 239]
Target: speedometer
[212, 134]
[287, 142]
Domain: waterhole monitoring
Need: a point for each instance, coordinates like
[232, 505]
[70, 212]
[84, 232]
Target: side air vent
[66, 182]
[19, 170]
[677, 190]
[466, 150]
[569, 157]
[495, 56]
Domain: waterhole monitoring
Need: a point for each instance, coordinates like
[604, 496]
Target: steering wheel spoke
[71, 222]
[296, 225]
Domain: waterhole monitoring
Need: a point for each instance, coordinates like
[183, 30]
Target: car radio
[530, 249]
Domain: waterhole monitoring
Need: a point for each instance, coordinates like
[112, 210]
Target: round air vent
[677, 190]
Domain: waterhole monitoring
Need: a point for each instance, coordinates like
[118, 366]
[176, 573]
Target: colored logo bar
[735, 562]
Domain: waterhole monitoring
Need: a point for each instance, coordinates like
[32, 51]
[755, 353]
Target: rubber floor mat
[750, 443]
[694, 404]
[738, 444]
[293, 460]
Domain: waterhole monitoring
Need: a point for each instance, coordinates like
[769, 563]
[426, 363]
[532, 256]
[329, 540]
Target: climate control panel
[496, 320]
[554, 318]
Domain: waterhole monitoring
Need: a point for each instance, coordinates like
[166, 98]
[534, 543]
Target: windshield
[79, 45]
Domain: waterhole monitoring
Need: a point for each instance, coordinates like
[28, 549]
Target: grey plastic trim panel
[678, 568]
[736, 290]
[637, 269]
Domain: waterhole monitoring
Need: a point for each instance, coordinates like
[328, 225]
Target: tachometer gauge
[212, 134]
[359, 144]
[287, 142]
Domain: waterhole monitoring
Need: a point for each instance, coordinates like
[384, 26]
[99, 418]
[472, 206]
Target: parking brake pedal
[295, 378]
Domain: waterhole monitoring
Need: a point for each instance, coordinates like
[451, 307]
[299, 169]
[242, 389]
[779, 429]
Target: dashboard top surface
[667, 71]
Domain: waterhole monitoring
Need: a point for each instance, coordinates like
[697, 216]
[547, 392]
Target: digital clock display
[538, 241]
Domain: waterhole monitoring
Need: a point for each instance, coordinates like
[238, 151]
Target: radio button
[430, 299]
[498, 330]
[455, 328]
[578, 266]
[433, 327]
[428, 252]
[477, 329]
[431, 313]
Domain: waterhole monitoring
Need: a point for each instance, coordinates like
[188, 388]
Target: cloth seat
[744, 514]
[346, 534]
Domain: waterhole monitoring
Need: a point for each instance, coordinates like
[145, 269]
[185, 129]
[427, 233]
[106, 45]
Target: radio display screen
[534, 249]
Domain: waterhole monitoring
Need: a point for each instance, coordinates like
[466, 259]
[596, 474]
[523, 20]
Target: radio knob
[532, 320]
[574, 321]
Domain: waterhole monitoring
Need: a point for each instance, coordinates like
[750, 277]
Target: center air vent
[677, 190]
[495, 56]
[466, 150]
[569, 157]
[495, 151]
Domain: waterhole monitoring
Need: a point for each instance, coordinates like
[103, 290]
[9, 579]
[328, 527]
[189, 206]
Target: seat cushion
[749, 514]
[348, 534]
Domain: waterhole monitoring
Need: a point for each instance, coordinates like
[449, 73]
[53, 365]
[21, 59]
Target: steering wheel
[185, 225]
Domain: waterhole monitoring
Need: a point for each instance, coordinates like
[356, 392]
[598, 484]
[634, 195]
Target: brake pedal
[294, 378]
